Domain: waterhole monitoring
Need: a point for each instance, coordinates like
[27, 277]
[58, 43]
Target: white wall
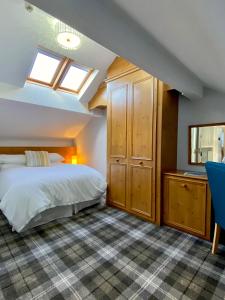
[91, 144]
[25, 120]
[209, 109]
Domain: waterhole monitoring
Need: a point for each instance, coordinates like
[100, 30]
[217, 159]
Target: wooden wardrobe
[142, 117]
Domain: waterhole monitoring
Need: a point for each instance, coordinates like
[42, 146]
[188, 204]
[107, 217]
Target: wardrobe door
[117, 175]
[142, 145]
[117, 119]
[117, 142]
[141, 196]
[142, 118]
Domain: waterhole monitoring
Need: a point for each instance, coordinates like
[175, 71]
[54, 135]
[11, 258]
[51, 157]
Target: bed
[31, 196]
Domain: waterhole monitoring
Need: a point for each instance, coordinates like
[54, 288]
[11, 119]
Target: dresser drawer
[185, 205]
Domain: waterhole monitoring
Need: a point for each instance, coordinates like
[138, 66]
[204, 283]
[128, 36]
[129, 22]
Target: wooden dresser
[187, 203]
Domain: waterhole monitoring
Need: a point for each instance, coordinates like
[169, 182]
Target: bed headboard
[66, 152]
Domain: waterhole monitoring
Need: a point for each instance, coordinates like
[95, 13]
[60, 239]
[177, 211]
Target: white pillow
[21, 158]
[55, 157]
[12, 159]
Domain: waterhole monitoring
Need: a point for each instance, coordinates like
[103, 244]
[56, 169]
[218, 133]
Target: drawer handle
[117, 160]
[141, 163]
[184, 185]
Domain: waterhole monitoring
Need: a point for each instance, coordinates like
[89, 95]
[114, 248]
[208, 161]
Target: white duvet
[27, 191]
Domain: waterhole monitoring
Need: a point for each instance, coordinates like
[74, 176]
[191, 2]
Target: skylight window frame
[76, 91]
[60, 73]
[51, 55]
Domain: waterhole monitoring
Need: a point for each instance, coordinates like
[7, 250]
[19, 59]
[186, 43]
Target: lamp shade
[67, 37]
[74, 159]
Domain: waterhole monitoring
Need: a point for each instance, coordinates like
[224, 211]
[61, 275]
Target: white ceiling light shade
[67, 37]
[68, 40]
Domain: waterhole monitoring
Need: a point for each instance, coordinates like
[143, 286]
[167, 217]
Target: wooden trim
[122, 74]
[60, 72]
[180, 173]
[207, 125]
[119, 68]
[39, 82]
[169, 129]
[208, 214]
[159, 97]
[154, 152]
[100, 98]
[186, 179]
[66, 152]
[167, 116]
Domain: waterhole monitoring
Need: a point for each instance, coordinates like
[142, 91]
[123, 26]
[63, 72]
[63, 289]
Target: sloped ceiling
[22, 32]
[106, 23]
[24, 120]
[39, 111]
[179, 41]
[192, 30]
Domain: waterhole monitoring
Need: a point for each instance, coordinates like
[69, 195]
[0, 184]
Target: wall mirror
[206, 142]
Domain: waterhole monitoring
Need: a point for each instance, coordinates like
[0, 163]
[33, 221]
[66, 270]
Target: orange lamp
[74, 159]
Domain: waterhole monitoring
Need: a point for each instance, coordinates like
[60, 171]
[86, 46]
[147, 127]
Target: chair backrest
[216, 178]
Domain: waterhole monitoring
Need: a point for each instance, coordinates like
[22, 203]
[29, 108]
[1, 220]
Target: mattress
[26, 192]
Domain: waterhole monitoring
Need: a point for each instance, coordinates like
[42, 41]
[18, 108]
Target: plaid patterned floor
[107, 254]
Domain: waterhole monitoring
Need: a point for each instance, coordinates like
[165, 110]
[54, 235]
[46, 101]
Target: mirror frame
[189, 140]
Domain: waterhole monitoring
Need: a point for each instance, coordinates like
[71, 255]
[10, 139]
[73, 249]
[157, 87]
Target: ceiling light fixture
[67, 37]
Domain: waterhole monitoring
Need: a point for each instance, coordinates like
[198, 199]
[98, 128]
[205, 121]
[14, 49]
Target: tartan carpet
[107, 254]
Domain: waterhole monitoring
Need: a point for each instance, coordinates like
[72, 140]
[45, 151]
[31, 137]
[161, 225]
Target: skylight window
[59, 73]
[44, 68]
[74, 78]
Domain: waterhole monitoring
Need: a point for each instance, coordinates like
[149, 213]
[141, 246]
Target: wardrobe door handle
[184, 185]
[141, 163]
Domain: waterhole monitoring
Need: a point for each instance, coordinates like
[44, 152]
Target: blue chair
[216, 178]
